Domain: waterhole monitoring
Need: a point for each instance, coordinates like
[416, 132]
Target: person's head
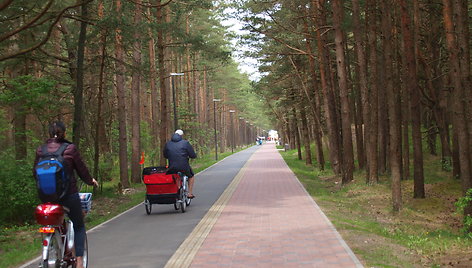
[180, 132]
[57, 130]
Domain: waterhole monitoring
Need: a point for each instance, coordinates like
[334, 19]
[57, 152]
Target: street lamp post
[214, 122]
[176, 124]
[232, 129]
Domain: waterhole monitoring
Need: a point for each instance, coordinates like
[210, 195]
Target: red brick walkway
[271, 221]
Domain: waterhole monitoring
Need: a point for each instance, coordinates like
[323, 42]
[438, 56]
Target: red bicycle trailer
[164, 188]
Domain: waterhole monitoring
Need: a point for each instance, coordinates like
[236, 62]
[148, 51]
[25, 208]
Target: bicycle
[183, 201]
[163, 188]
[58, 235]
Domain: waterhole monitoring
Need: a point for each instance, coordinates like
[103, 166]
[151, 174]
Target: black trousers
[72, 202]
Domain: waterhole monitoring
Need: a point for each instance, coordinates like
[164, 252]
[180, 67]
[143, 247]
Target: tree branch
[280, 41]
[53, 56]
[151, 5]
[28, 24]
[5, 4]
[46, 38]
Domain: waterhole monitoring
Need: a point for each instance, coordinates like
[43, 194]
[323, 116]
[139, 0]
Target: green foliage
[29, 91]
[33, 95]
[19, 195]
[151, 152]
[446, 164]
[461, 205]
[4, 126]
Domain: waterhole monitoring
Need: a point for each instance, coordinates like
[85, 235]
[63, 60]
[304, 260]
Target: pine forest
[371, 90]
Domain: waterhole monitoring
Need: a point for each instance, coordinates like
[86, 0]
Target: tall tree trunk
[459, 99]
[364, 104]
[405, 116]
[120, 89]
[456, 167]
[435, 86]
[98, 123]
[135, 97]
[197, 89]
[383, 118]
[79, 88]
[188, 78]
[162, 82]
[329, 100]
[296, 128]
[316, 113]
[305, 135]
[152, 86]
[18, 111]
[204, 98]
[374, 97]
[347, 152]
[461, 13]
[415, 100]
[393, 94]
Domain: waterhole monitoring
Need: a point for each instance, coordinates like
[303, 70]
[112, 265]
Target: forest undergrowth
[425, 233]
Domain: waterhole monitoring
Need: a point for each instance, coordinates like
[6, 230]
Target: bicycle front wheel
[187, 200]
[183, 199]
[52, 251]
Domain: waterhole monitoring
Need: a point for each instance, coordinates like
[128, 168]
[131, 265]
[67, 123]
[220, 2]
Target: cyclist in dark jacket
[178, 151]
[72, 162]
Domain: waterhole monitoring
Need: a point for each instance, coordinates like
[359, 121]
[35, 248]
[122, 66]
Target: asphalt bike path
[134, 239]
[265, 218]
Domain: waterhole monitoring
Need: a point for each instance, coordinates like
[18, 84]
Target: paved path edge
[336, 233]
[183, 256]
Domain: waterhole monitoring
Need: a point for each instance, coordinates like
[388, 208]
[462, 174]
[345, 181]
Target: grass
[19, 244]
[426, 233]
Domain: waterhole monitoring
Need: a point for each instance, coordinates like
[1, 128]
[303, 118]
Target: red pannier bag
[158, 182]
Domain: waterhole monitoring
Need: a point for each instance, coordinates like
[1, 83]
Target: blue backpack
[51, 177]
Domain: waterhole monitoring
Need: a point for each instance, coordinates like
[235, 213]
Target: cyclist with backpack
[62, 186]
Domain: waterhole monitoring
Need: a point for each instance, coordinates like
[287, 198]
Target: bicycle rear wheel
[51, 252]
[148, 206]
[85, 252]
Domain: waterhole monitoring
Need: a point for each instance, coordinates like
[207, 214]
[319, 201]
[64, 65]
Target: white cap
[180, 132]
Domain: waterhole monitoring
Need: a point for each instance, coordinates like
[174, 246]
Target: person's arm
[191, 151]
[79, 165]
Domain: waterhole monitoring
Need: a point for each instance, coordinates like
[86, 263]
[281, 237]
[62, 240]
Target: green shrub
[19, 194]
[461, 204]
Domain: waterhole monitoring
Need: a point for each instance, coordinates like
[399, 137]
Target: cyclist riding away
[72, 161]
[178, 151]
